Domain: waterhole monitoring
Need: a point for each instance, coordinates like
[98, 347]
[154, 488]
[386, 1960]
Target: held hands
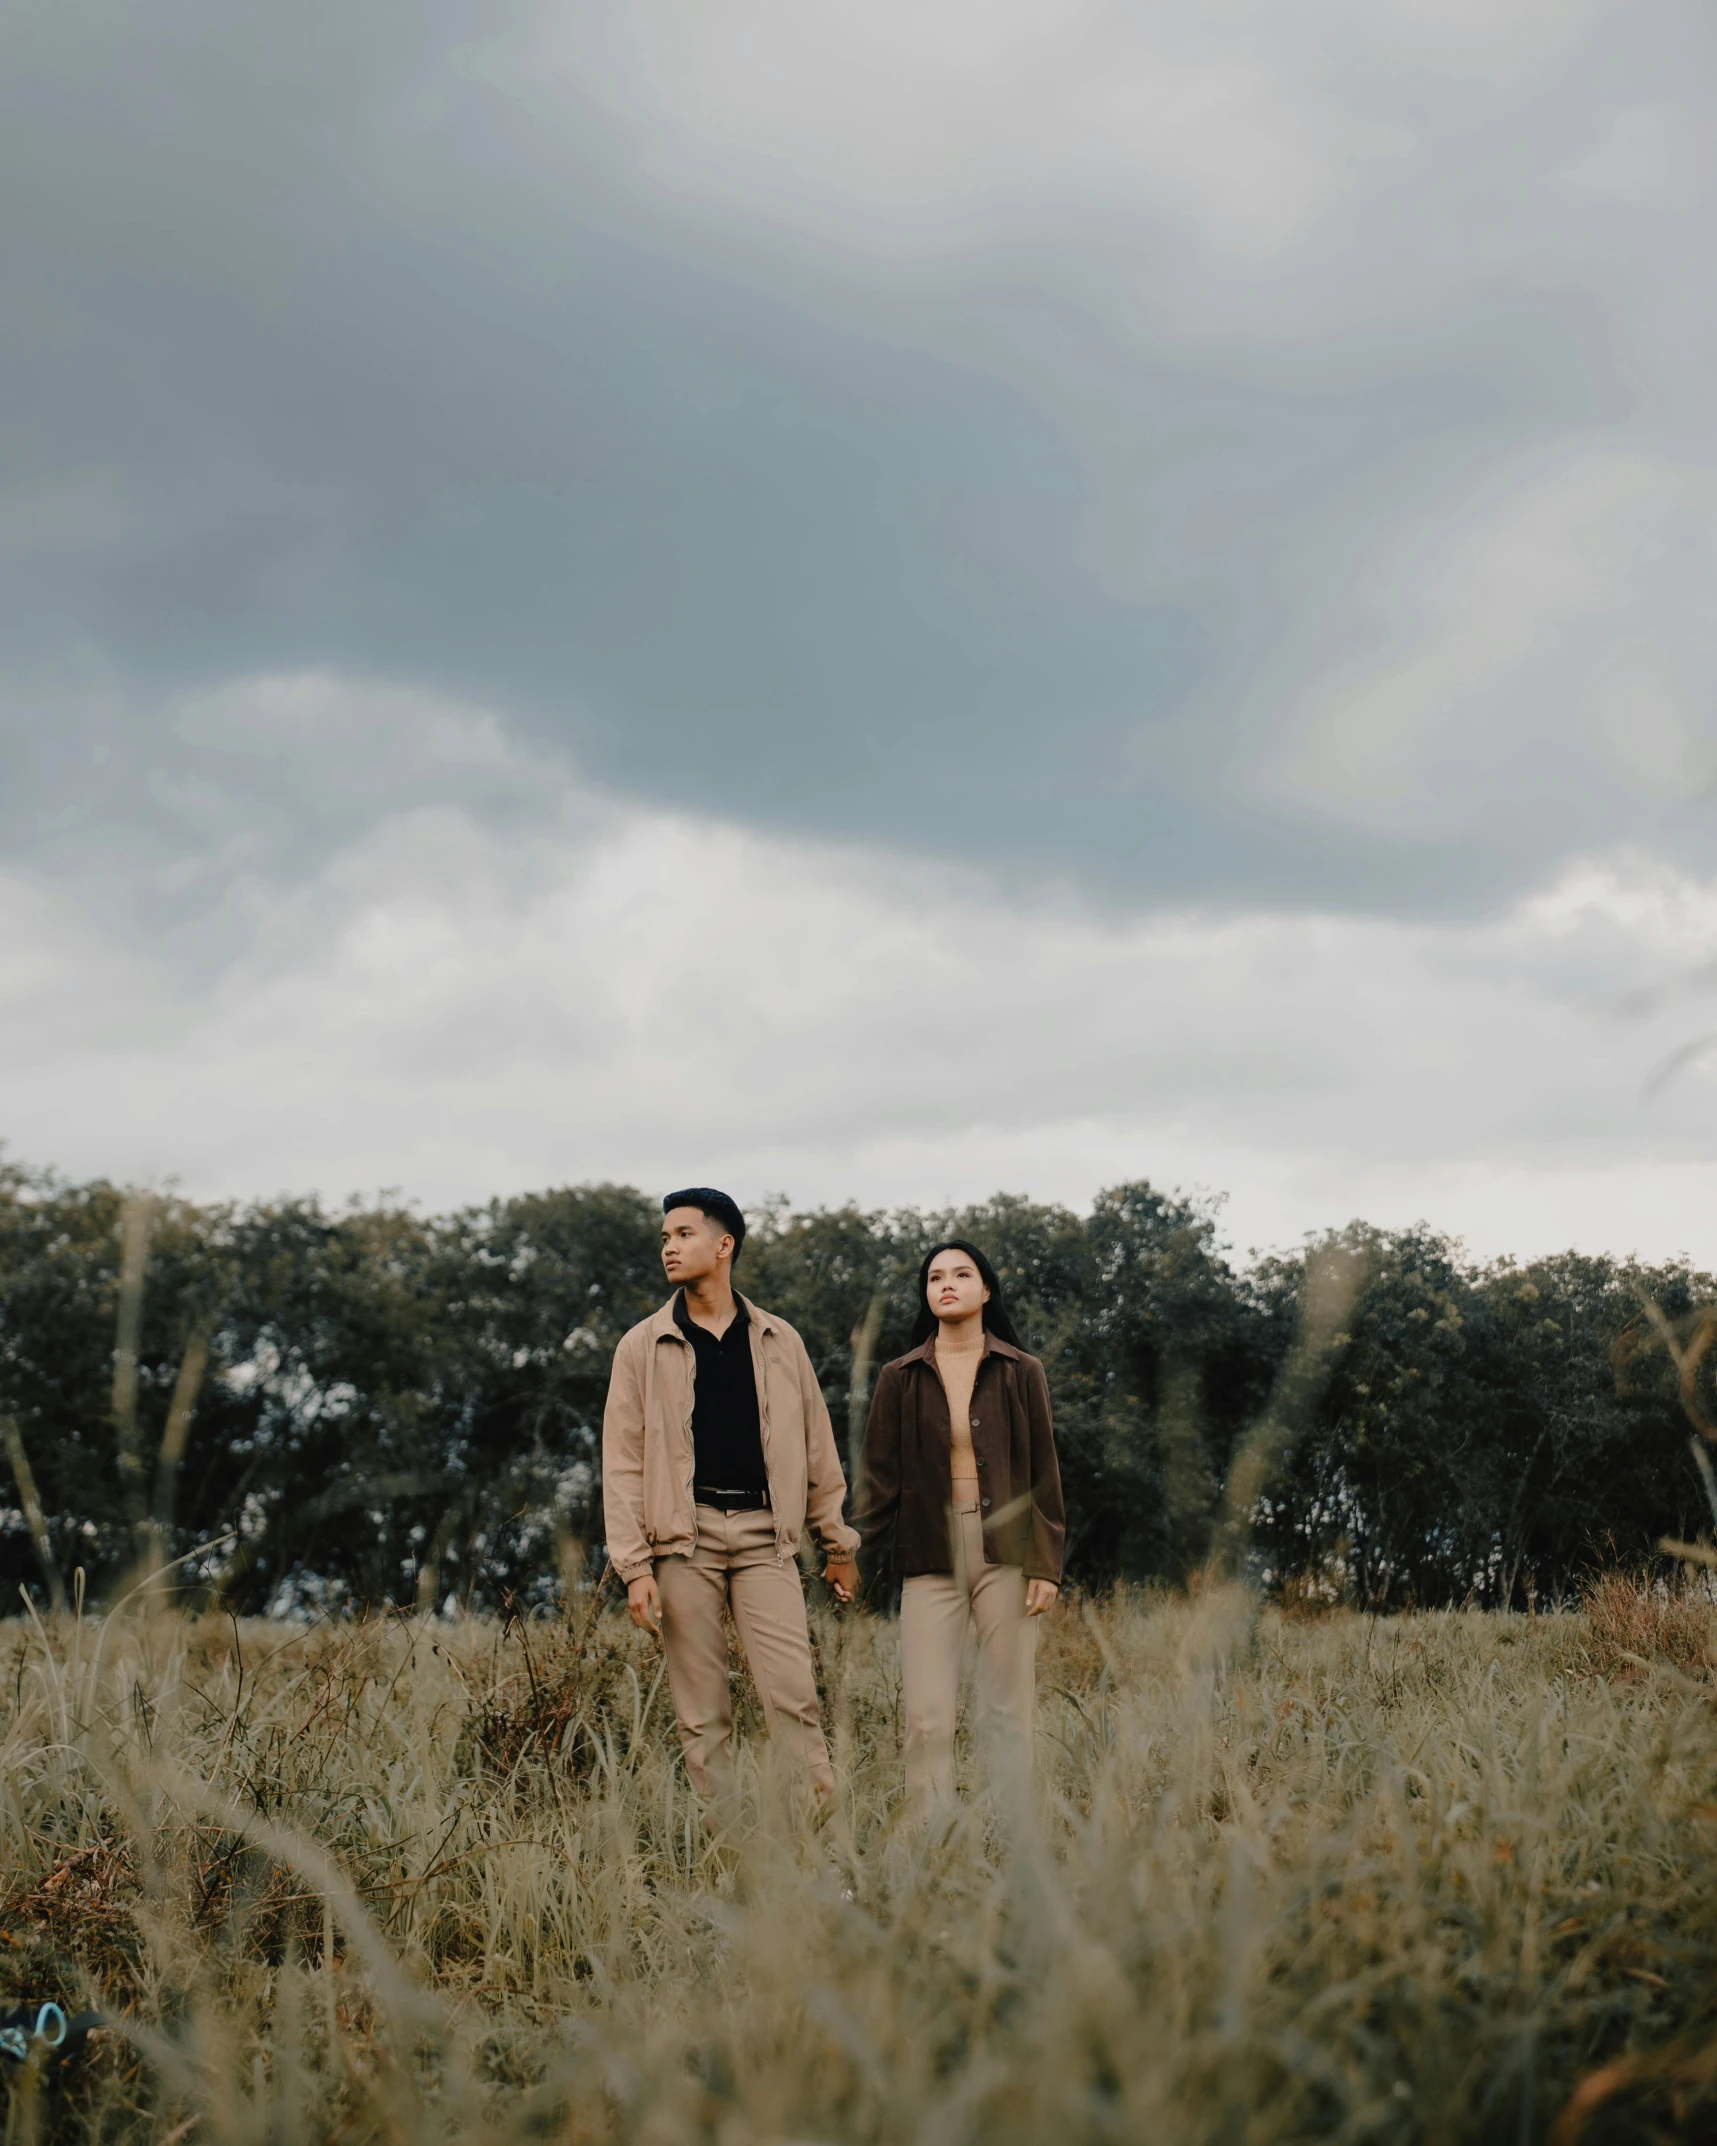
[645, 1603]
[842, 1575]
[644, 1599]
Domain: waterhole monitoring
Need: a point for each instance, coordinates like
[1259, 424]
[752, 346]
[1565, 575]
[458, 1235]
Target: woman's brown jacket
[908, 1455]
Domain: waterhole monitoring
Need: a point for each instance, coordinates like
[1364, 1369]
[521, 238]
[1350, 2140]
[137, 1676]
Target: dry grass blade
[1687, 1357]
[136, 1222]
[30, 1500]
[176, 1433]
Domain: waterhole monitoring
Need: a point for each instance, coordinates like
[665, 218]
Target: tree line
[368, 1405]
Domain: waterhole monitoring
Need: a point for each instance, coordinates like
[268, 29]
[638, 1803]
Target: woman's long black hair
[997, 1320]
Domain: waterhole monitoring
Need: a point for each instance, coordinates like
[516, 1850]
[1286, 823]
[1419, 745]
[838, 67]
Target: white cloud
[1516, 641]
[1645, 722]
[455, 1010]
[1647, 156]
[910, 130]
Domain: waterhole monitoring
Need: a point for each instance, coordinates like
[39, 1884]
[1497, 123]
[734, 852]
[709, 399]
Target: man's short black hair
[715, 1207]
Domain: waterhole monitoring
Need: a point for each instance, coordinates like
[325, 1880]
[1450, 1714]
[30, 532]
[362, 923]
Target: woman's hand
[1040, 1595]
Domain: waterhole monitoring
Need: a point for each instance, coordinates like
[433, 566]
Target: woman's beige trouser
[735, 1562]
[935, 1609]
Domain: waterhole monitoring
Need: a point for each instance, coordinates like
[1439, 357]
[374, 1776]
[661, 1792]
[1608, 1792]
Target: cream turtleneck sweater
[957, 1368]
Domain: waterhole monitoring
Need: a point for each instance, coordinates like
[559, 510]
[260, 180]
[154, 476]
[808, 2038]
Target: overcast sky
[867, 600]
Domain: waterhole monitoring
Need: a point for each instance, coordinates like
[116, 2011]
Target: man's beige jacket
[647, 1444]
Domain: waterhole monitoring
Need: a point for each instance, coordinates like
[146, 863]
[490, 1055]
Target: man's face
[692, 1246]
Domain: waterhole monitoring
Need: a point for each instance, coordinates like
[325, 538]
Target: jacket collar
[994, 1345]
[665, 1327]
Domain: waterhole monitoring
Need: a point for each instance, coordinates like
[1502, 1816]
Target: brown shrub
[1633, 1621]
[73, 1928]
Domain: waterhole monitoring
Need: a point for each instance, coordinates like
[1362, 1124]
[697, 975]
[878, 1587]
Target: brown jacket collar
[664, 1327]
[993, 1346]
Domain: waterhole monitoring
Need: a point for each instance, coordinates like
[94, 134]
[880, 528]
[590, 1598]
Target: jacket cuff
[633, 1569]
[839, 1541]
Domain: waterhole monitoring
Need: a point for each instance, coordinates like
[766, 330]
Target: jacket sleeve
[1047, 1542]
[629, 1549]
[879, 1498]
[825, 1483]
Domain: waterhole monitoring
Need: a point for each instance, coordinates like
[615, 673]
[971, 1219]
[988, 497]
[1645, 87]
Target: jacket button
[983, 1501]
[974, 1423]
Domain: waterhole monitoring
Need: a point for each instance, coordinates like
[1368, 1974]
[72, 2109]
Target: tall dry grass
[1286, 1879]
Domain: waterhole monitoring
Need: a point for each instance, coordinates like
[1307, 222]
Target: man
[716, 1450]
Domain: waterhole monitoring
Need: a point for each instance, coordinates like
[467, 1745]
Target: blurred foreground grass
[1287, 1879]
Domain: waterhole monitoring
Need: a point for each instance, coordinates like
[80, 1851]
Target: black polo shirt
[727, 1439]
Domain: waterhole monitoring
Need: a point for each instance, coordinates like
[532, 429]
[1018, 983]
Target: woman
[960, 1469]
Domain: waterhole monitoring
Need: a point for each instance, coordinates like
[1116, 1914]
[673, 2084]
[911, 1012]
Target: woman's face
[954, 1287]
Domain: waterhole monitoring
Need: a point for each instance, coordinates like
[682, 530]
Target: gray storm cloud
[1166, 551]
[1253, 454]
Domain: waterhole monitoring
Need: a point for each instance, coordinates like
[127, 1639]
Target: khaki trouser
[734, 1562]
[935, 1609]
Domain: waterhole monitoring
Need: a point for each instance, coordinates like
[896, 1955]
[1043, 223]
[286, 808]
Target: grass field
[1287, 1878]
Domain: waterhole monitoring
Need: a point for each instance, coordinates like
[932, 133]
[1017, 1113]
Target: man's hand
[842, 1574]
[1040, 1595]
[645, 1604]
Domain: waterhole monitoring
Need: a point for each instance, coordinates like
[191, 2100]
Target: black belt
[730, 1501]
